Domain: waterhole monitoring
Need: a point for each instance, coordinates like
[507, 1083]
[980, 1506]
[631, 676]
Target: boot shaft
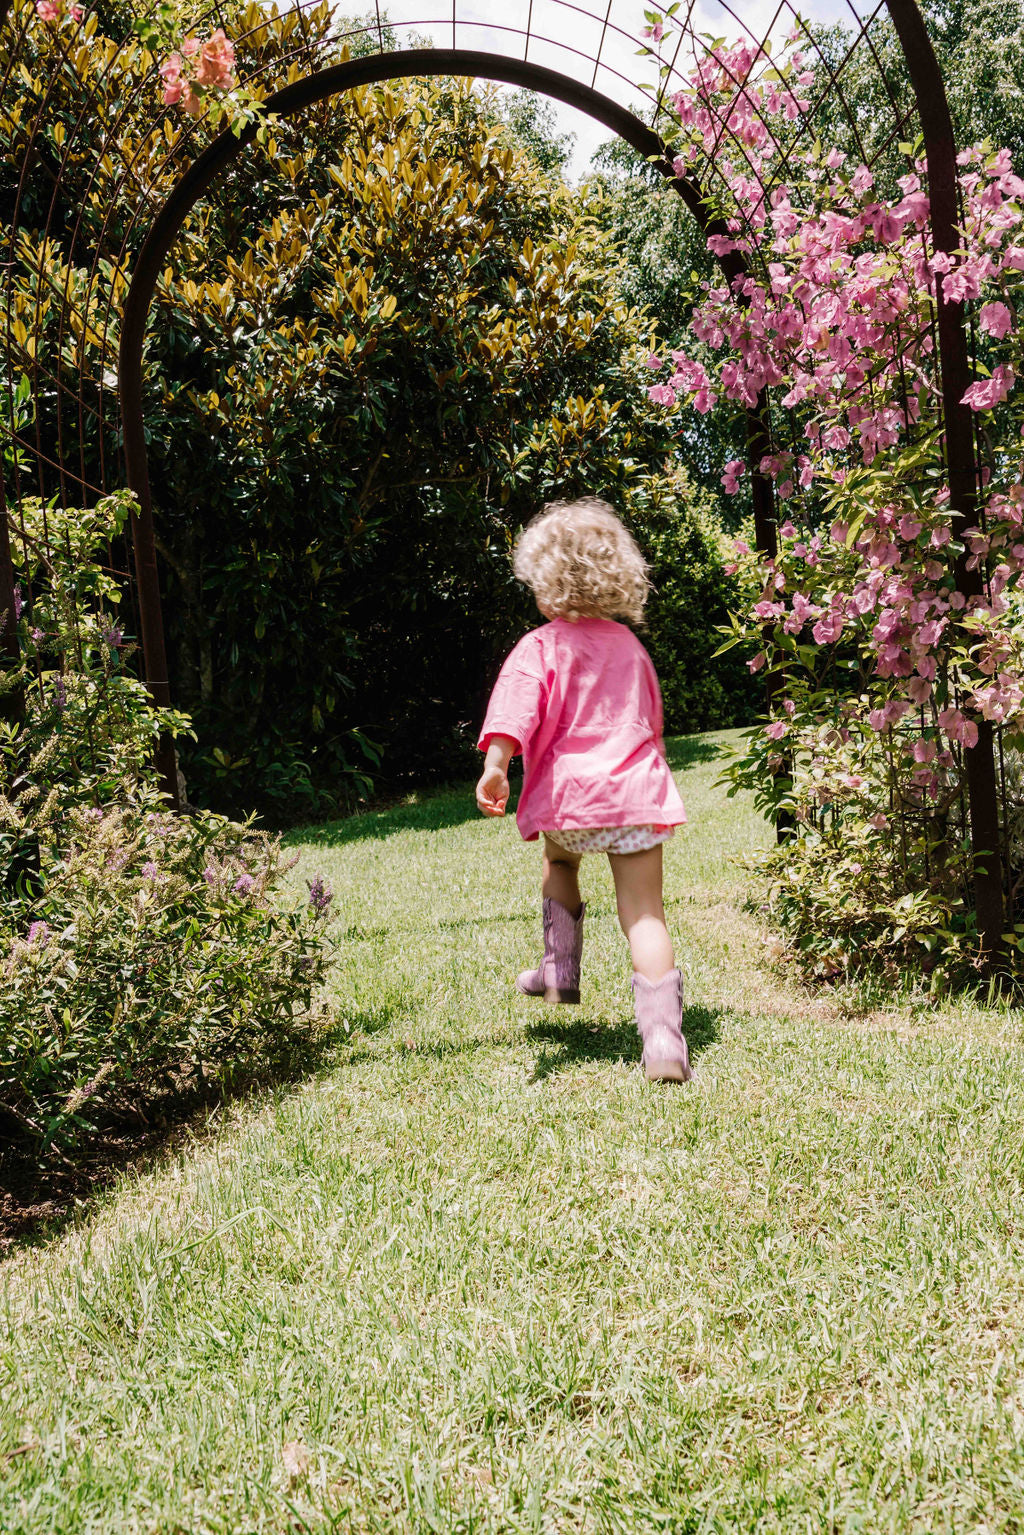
[658, 1007]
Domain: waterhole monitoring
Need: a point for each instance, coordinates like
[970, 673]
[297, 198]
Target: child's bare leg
[561, 877]
[641, 911]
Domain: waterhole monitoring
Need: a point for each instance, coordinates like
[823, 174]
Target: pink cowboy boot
[659, 1015]
[557, 978]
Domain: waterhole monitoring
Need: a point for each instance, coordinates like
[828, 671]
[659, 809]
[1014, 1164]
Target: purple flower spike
[320, 895]
[150, 870]
[113, 638]
[39, 933]
[244, 884]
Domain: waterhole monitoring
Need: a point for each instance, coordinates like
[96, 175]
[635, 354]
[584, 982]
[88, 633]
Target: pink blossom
[653, 362]
[47, 10]
[776, 730]
[170, 74]
[957, 728]
[995, 319]
[756, 662]
[990, 392]
[731, 475]
[661, 394]
[217, 62]
[828, 628]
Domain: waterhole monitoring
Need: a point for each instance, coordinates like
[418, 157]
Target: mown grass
[478, 1276]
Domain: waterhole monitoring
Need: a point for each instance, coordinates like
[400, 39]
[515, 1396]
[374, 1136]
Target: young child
[579, 698]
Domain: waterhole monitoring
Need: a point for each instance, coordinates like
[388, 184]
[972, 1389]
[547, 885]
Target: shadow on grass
[37, 1201]
[579, 1040]
[687, 751]
[454, 805]
[432, 810]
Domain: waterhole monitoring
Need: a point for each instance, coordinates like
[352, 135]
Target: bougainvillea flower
[217, 62]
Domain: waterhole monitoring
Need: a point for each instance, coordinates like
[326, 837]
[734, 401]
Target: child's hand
[492, 791]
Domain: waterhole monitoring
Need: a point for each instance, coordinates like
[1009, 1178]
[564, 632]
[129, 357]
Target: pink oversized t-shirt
[582, 702]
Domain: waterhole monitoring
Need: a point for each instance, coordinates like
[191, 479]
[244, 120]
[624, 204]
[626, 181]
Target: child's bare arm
[492, 790]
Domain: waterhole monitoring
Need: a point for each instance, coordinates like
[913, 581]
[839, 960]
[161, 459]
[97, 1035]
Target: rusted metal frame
[56, 379]
[835, 76]
[12, 705]
[726, 133]
[940, 152]
[670, 69]
[129, 170]
[33, 134]
[600, 45]
[63, 51]
[13, 59]
[196, 180]
[783, 150]
[65, 296]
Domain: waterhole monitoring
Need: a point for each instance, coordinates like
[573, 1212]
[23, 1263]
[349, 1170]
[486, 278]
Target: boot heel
[667, 1071]
[564, 994]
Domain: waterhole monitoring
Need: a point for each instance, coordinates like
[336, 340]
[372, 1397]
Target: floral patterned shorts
[610, 839]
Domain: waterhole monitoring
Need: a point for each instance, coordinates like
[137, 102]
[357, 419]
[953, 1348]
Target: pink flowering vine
[199, 70]
[833, 311]
[56, 11]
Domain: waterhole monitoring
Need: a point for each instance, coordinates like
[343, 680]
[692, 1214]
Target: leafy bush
[151, 961]
[681, 536]
[145, 955]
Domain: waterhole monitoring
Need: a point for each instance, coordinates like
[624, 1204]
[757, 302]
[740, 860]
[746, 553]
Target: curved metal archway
[149, 216]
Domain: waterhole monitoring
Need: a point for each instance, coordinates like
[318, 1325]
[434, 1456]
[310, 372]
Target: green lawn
[478, 1276]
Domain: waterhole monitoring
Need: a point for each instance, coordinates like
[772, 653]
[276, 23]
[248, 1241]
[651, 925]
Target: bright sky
[568, 34]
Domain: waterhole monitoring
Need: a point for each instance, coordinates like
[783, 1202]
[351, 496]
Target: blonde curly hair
[580, 562]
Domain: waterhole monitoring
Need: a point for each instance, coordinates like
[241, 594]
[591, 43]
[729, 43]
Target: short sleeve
[516, 705]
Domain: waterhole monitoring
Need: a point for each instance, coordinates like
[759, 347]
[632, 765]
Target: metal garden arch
[517, 46]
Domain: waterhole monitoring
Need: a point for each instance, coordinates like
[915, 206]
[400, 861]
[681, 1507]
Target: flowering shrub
[142, 955]
[56, 11]
[149, 960]
[199, 71]
[886, 617]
